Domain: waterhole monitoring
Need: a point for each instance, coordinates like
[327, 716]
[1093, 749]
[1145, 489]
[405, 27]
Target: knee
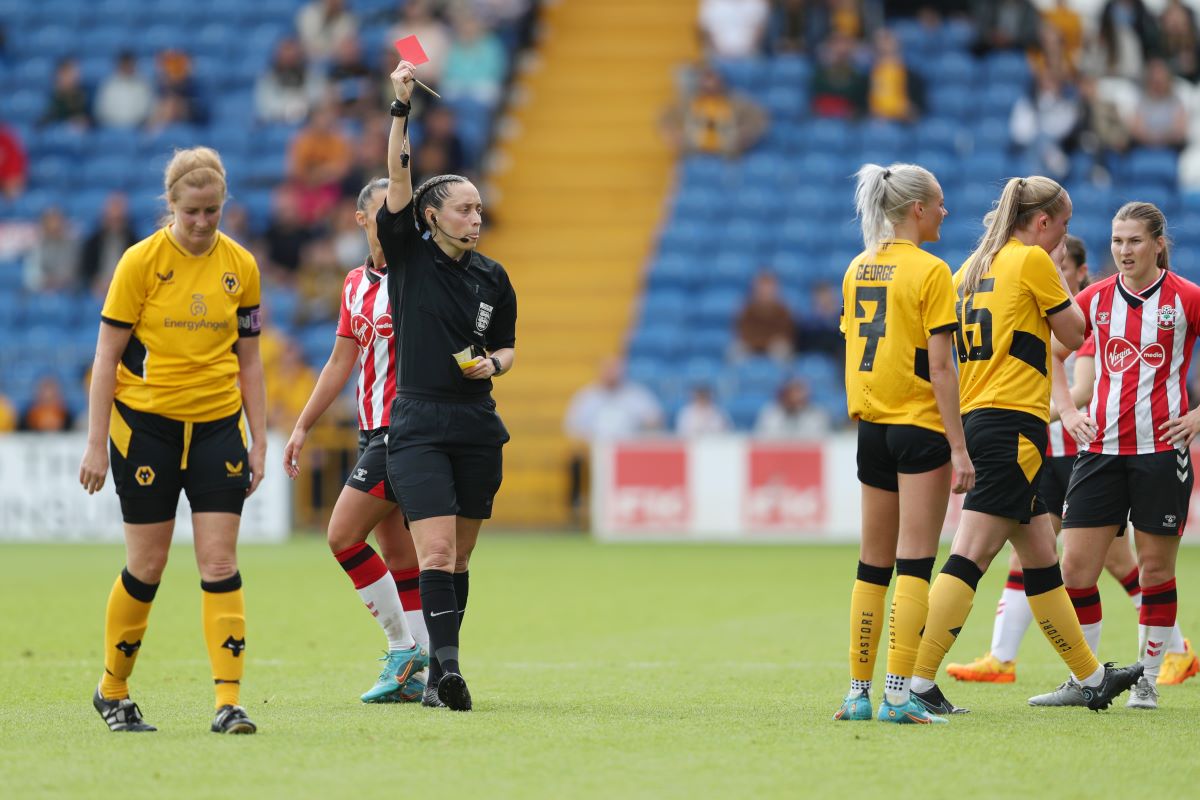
[462, 561]
[1155, 570]
[148, 567]
[340, 538]
[217, 568]
[439, 554]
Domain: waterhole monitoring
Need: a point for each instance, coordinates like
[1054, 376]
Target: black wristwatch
[496, 363]
[399, 108]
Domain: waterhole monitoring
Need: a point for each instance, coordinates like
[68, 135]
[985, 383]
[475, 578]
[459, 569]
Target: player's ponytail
[882, 198]
[1022, 200]
[195, 168]
[1156, 225]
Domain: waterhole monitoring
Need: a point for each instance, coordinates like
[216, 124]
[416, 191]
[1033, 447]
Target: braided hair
[432, 193]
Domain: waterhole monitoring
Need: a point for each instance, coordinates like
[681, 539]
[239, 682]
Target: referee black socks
[439, 605]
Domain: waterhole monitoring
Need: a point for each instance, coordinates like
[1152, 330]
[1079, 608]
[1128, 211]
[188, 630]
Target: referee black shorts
[1007, 449]
[886, 450]
[370, 471]
[444, 459]
[1152, 490]
[153, 458]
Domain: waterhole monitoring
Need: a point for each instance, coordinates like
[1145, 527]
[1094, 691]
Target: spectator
[512, 20]
[370, 156]
[319, 282]
[289, 88]
[319, 159]
[321, 24]
[1181, 41]
[68, 102]
[48, 412]
[476, 64]
[839, 88]
[179, 100]
[733, 28]
[1041, 122]
[290, 380]
[895, 92]
[1102, 129]
[610, 408]
[1051, 55]
[819, 328]
[52, 264]
[1128, 36]
[286, 233]
[796, 26]
[104, 247]
[791, 415]
[701, 416]
[1069, 26]
[14, 165]
[764, 326]
[439, 130]
[350, 78]
[8, 414]
[126, 98]
[418, 20]
[1160, 119]
[1005, 25]
[712, 119]
[857, 19]
[235, 223]
[349, 244]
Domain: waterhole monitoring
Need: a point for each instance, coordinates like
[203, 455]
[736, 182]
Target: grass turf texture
[597, 671]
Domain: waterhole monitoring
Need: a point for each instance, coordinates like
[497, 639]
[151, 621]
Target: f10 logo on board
[1121, 354]
[649, 489]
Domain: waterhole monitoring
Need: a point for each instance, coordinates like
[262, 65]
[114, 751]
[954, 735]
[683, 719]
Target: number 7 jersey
[891, 305]
[1004, 335]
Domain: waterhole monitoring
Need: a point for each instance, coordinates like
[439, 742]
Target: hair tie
[887, 173]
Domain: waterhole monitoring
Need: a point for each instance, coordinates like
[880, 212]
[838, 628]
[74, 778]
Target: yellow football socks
[867, 620]
[125, 621]
[910, 607]
[1055, 615]
[950, 599]
[223, 609]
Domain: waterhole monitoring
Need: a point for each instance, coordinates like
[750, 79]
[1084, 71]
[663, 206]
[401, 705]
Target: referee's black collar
[440, 257]
[1135, 299]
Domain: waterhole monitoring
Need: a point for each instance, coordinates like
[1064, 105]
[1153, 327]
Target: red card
[411, 50]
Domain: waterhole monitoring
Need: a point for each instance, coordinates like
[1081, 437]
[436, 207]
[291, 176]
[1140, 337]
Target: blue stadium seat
[717, 306]
[660, 340]
[829, 136]
[916, 40]
[743, 74]
[1146, 165]
[743, 409]
[672, 269]
[956, 33]
[952, 64]
[786, 103]
[788, 70]
[759, 375]
[941, 133]
[953, 101]
[887, 135]
[665, 305]
[710, 341]
[1006, 67]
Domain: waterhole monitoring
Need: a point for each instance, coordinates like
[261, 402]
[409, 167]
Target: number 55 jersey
[1144, 344]
[1004, 335]
[892, 304]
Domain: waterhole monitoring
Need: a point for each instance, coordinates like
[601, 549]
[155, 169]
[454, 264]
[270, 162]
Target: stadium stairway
[578, 188]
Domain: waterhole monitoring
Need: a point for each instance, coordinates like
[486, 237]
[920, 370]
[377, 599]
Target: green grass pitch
[597, 670]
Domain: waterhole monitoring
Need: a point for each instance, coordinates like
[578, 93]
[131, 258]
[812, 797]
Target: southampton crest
[1166, 317]
[483, 318]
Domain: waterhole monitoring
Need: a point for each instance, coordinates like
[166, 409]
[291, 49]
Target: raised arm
[399, 177]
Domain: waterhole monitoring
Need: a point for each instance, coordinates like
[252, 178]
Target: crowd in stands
[297, 110]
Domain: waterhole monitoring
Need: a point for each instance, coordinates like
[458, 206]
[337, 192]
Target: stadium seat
[1146, 165]
[1006, 67]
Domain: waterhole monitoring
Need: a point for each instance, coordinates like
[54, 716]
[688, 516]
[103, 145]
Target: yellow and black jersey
[1004, 338]
[186, 313]
[891, 305]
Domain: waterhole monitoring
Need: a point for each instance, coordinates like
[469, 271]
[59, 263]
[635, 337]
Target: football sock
[950, 599]
[1175, 644]
[1157, 619]
[440, 607]
[223, 611]
[1133, 587]
[125, 621]
[866, 623]
[462, 585]
[1088, 610]
[409, 591]
[1012, 618]
[1055, 616]
[377, 589]
[910, 606]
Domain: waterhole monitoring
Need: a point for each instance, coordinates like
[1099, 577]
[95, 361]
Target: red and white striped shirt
[366, 317]
[1144, 346]
[1059, 442]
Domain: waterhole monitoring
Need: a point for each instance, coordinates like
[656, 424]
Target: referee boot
[452, 691]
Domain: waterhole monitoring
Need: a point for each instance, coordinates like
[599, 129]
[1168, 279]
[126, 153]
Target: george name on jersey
[875, 272]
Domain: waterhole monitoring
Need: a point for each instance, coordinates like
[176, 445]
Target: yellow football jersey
[891, 305]
[1004, 338]
[186, 313]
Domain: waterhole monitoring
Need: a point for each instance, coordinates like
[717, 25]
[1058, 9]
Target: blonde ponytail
[882, 198]
[1019, 204]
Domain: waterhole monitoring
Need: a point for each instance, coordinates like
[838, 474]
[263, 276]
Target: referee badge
[483, 318]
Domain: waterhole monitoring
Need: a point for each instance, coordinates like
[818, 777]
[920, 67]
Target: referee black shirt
[442, 306]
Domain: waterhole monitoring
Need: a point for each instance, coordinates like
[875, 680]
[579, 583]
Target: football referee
[455, 326]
